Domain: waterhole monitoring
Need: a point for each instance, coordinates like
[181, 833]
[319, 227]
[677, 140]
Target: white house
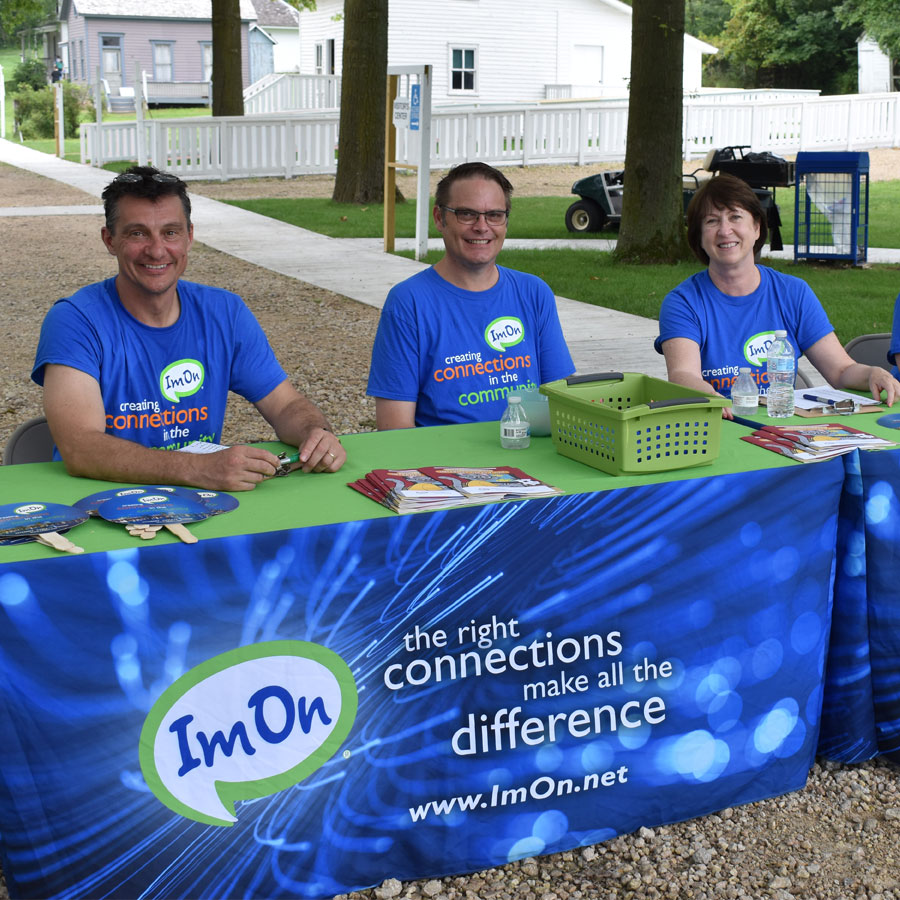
[281, 22]
[500, 50]
[875, 68]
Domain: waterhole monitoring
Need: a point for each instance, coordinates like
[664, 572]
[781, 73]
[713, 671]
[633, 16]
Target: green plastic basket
[630, 423]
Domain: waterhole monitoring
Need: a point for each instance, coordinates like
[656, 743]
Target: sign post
[59, 121]
[408, 108]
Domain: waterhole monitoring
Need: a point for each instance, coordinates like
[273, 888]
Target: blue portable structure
[831, 217]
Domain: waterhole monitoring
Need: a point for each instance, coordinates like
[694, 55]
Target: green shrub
[34, 114]
[32, 72]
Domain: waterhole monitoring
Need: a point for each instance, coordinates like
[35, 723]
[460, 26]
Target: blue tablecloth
[861, 716]
[513, 680]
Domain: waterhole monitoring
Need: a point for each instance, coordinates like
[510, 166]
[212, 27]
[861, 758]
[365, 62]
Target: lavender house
[169, 40]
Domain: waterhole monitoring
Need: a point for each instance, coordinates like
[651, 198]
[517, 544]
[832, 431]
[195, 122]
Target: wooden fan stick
[178, 529]
[58, 542]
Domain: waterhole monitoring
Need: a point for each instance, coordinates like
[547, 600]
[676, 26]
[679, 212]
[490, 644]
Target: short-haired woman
[723, 318]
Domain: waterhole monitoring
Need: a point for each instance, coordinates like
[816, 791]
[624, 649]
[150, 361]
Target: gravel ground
[837, 839]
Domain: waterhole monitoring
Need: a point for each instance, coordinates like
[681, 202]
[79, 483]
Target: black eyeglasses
[159, 177]
[471, 216]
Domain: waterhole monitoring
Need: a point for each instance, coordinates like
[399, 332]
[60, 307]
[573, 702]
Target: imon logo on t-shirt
[246, 724]
[756, 348]
[507, 331]
[181, 379]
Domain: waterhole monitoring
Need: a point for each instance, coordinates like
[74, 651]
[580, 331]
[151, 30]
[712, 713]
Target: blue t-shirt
[161, 387]
[458, 353]
[895, 340]
[737, 331]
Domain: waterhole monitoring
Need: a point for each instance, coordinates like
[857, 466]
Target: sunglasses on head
[160, 177]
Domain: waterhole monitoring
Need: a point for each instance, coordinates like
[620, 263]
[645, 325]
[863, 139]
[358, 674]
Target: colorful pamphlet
[444, 487]
[810, 443]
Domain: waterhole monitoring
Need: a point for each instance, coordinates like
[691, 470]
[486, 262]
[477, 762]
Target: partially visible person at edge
[144, 361]
[894, 350]
[725, 317]
[455, 339]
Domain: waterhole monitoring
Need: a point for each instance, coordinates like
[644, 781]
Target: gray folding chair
[30, 442]
[870, 349]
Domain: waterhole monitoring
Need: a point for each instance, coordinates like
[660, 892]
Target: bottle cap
[514, 399]
[744, 370]
[781, 333]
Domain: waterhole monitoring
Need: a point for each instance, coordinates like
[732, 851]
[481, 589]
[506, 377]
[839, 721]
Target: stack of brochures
[809, 443]
[442, 487]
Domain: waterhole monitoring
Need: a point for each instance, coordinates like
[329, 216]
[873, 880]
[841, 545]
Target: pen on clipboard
[847, 405]
[825, 401]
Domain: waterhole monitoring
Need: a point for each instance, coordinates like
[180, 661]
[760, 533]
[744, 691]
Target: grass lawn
[858, 300]
[531, 217]
[534, 217]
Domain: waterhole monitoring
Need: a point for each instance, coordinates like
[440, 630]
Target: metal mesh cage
[832, 206]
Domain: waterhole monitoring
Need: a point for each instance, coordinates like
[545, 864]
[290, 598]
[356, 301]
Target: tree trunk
[652, 229]
[227, 86]
[360, 167]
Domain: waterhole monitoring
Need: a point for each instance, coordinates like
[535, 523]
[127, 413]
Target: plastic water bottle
[515, 432]
[780, 369]
[744, 394]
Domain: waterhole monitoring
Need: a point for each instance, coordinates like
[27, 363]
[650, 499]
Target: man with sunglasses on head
[144, 361]
[456, 338]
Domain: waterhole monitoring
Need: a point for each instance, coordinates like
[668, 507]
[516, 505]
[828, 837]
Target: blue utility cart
[831, 218]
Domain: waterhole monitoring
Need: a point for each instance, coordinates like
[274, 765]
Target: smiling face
[472, 247]
[151, 243]
[728, 235]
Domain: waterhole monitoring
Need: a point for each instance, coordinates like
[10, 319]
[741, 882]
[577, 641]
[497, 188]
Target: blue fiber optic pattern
[861, 718]
[718, 594]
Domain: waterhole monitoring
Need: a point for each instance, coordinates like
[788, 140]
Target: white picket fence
[299, 143]
[278, 93]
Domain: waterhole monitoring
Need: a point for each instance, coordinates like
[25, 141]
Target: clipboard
[819, 412]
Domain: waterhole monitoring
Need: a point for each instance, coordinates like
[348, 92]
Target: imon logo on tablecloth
[244, 724]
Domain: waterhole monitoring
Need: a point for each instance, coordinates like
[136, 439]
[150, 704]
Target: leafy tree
[227, 86]
[34, 111]
[706, 18]
[16, 15]
[879, 19]
[789, 44]
[652, 229]
[360, 170]
[32, 72]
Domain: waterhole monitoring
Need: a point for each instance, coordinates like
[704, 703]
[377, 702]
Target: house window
[163, 53]
[206, 60]
[325, 57]
[81, 57]
[111, 56]
[463, 69]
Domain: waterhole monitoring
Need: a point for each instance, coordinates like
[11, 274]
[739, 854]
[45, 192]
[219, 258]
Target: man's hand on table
[242, 467]
[321, 452]
[239, 468]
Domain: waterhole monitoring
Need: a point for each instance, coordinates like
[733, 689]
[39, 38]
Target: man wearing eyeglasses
[454, 340]
[144, 361]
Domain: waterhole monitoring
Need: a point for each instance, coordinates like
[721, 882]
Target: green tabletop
[300, 500]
